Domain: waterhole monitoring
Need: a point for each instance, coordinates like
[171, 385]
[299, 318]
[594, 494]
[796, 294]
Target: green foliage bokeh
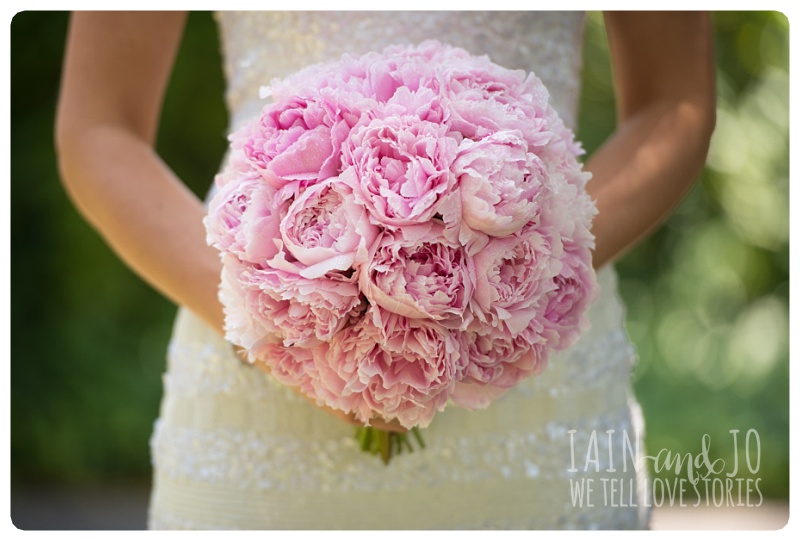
[707, 294]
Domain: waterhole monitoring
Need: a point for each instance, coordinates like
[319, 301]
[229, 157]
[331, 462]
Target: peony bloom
[485, 98]
[499, 182]
[246, 308]
[497, 361]
[403, 368]
[575, 287]
[296, 140]
[325, 230]
[415, 272]
[293, 366]
[399, 168]
[512, 274]
[306, 311]
[226, 213]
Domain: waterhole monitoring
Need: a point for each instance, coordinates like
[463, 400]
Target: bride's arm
[663, 68]
[116, 70]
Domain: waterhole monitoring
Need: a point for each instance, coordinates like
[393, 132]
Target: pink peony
[417, 273]
[498, 180]
[399, 168]
[307, 311]
[403, 368]
[485, 98]
[247, 309]
[512, 274]
[497, 362]
[297, 140]
[575, 289]
[293, 366]
[325, 230]
[567, 213]
[226, 214]
[261, 224]
[498, 186]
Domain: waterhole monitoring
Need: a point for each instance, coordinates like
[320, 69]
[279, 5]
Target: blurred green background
[707, 295]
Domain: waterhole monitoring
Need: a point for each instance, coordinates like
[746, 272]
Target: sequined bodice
[261, 45]
[234, 449]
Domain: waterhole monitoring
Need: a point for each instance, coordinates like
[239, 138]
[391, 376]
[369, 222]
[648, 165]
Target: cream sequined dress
[232, 449]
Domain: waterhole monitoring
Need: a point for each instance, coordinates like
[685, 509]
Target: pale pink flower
[401, 368]
[485, 98]
[260, 228]
[306, 311]
[499, 182]
[247, 308]
[575, 289]
[226, 213]
[512, 273]
[497, 361]
[325, 230]
[399, 168]
[293, 366]
[417, 273]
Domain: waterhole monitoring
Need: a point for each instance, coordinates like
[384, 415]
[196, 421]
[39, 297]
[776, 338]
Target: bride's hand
[350, 418]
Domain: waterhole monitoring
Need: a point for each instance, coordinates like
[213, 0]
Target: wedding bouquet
[403, 230]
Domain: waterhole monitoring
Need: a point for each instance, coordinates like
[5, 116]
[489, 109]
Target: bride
[232, 448]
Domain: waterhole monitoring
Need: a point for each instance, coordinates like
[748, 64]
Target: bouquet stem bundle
[387, 444]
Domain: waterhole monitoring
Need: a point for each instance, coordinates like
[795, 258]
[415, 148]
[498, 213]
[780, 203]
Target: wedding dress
[233, 449]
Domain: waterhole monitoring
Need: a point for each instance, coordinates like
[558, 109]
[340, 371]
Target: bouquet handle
[387, 444]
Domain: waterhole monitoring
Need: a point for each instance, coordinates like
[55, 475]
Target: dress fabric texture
[233, 449]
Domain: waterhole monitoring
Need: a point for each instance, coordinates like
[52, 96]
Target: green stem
[418, 436]
[386, 444]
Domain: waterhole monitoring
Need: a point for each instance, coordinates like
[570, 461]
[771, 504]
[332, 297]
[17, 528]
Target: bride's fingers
[389, 426]
[375, 422]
